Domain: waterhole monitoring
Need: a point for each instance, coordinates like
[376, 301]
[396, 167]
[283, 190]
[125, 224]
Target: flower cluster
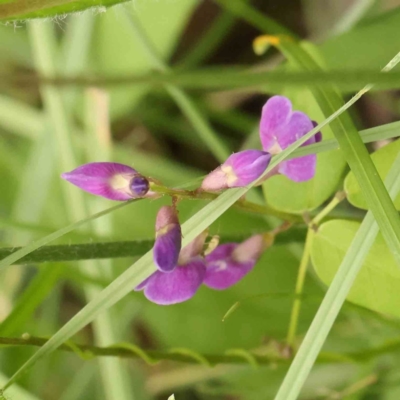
[280, 126]
[223, 267]
[181, 271]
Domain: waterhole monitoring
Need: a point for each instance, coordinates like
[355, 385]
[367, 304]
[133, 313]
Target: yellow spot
[275, 148]
[268, 239]
[119, 182]
[212, 245]
[164, 230]
[230, 175]
[263, 42]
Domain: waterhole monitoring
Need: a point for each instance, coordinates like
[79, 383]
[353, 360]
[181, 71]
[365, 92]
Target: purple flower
[240, 169]
[230, 262]
[168, 239]
[110, 180]
[182, 283]
[280, 126]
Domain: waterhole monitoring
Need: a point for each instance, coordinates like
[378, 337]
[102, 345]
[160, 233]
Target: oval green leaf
[383, 160]
[377, 286]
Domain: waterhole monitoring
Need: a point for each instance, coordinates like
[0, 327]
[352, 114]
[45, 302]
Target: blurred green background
[45, 129]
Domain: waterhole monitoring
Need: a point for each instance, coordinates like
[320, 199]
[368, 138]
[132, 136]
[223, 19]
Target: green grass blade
[387, 131]
[16, 392]
[334, 298]
[209, 42]
[18, 10]
[27, 303]
[252, 16]
[229, 78]
[129, 248]
[23, 251]
[206, 133]
[20, 118]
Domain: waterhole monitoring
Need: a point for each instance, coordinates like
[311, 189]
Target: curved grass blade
[23, 251]
[17, 10]
[128, 248]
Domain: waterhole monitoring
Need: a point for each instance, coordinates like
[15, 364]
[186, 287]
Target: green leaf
[129, 248]
[377, 285]
[282, 193]
[27, 9]
[383, 159]
[372, 41]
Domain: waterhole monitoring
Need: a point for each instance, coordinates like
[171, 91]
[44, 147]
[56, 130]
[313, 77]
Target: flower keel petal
[177, 286]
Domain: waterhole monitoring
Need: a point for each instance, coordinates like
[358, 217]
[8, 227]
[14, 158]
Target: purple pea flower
[110, 180]
[182, 283]
[240, 169]
[168, 239]
[230, 262]
[280, 126]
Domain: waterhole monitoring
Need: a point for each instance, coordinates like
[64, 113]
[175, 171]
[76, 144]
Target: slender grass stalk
[209, 41]
[189, 356]
[210, 138]
[301, 276]
[246, 12]
[313, 225]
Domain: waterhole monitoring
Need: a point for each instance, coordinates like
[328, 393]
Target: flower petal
[177, 286]
[240, 169]
[251, 249]
[299, 169]
[106, 179]
[193, 249]
[303, 168]
[230, 262]
[168, 239]
[275, 113]
[142, 285]
[215, 181]
[222, 270]
[298, 125]
[247, 165]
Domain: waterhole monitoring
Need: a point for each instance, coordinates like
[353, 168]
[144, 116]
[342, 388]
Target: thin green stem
[339, 197]
[121, 249]
[240, 204]
[294, 317]
[335, 297]
[191, 357]
[23, 251]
